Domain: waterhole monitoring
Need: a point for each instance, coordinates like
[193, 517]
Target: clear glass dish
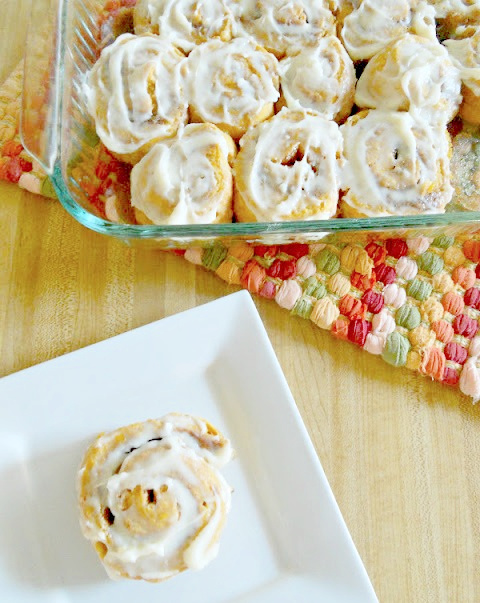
[62, 45]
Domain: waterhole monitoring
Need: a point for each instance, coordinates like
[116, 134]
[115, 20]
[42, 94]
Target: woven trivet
[414, 300]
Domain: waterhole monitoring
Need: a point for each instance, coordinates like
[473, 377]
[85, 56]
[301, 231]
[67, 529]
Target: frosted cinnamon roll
[288, 169]
[411, 74]
[376, 23]
[452, 13]
[184, 23]
[135, 95]
[187, 180]
[395, 165]
[465, 54]
[287, 26]
[152, 499]
[231, 84]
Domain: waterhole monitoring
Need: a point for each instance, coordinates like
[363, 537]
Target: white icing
[230, 83]
[288, 167]
[181, 181]
[321, 78]
[466, 56]
[395, 165]
[375, 23]
[155, 539]
[185, 23]
[134, 92]
[459, 8]
[414, 74]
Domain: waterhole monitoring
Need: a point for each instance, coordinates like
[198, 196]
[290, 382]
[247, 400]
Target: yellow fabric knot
[348, 257]
[432, 310]
[454, 256]
[339, 284]
[241, 251]
[230, 272]
[421, 337]
[414, 360]
[324, 313]
[364, 264]
[442, 282]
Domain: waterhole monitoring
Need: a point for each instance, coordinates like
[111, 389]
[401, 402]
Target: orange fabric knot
[471, 249]
[230, 272]
[241, 251]
[351, 307]
[463, 277]
[376, 252]
[348, 257]
[363, 282]
[433, 363]
[340, 328]
[453, 303]
[253, 276]
[443, 331]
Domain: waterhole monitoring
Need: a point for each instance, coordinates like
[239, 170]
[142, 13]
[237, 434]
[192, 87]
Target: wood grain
[401, 453]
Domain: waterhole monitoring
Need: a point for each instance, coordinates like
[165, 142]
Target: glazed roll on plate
[321, 78]
[135, 94]
[185, 23]
[152, 499]
[187, 180]
[411, 74]
[231, 84]
[395, 165]
[288, 169]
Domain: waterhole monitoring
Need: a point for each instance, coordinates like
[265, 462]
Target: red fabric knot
[283, 269]
[463, 277]
[340, 328]
[477, 271]
[253, 276]
[374, 301]
[471, 249]
[266, 251]
[376, 252]
[268, 290]
[450, 376]
[472, 298]
[453, 303]
[385, 274]
[12, 148]
[465, 326]
[11, 170]
[362, 281]
[397, 248]
[351, 307]
[455, 352]
[296, 250]
[358, 330]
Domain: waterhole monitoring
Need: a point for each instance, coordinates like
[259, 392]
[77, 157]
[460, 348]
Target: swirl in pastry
[186, 180]
[231, 84]
[134, 94]
[395, 165]
[288, 169]
[287, 26]
[465, 54]
[375, 23]
[321, 78]
[184, 23]
[411, 74]
[152, 500]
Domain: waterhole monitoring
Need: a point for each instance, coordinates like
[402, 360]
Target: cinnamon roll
[187, 180]
[231, 84]
[134, 94]
[152, 499]
[184, 23]
[395, 165]
[411, 74]
[452, 13]
[375, 23]
[321, 78]
[288, 169]
[465, 54]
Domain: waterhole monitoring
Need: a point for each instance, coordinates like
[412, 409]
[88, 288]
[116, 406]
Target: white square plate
[285, 540]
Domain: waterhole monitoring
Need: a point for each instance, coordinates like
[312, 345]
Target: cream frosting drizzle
[414, 74]
[134, 92]
[466, 56]
[191, 176]
[395, 164]
[289, 167]
[184, 23]
[157, 485]
[321, 78]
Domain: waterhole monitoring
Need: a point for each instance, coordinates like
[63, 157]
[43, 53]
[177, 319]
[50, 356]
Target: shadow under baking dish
[285, 539]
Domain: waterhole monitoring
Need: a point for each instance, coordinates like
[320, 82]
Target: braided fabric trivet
[414, 301]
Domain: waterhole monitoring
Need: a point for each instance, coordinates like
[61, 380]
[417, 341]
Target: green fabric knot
[443, 241]
[214, 256]
[303, 308]
[430, 262]
[408, 317]
[314, 288]
[420, 290]
[328, 262]
[396, 349]
[47, 189]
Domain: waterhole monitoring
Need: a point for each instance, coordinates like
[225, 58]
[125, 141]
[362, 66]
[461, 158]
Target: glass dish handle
[39, 128]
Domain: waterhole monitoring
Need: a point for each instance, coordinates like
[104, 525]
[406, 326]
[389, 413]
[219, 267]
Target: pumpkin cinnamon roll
[411, 74]
[288, 169]
[184, 23]
[395, 165]
[231, 84]
[186, 180]
[152, 499]
[465, 54]
[135, 95]
[376, 23]
[321, 78]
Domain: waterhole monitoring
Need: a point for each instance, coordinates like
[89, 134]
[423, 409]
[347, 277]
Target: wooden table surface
[402, 454]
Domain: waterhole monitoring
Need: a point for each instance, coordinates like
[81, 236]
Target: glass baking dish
[62, 44]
